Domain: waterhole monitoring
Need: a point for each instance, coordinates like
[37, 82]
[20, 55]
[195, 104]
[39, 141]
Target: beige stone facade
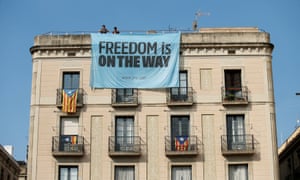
[224, 109]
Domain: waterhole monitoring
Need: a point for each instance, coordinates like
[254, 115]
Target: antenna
[198, 14]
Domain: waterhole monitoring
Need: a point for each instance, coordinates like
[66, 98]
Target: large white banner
[135, 61]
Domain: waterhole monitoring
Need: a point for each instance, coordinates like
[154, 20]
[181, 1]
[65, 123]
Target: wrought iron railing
[59, 97]
[238, 144]
[180, 95]
[68, 145]
[182, 144]
[235, 95]
[124, 144]
[124, 99]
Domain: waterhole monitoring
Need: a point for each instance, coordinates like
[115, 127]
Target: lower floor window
[238, 172]
[124, 172]
[68, 173]
[181, 173]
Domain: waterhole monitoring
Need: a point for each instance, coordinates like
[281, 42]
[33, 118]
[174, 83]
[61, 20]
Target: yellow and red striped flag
[69, 100]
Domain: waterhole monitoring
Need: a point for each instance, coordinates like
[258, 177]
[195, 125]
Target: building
[219, 124]
[23, 170]
[289, 157]
[9, 167]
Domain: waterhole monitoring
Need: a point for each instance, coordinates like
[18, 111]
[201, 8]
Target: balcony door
[233, 83]
[70, 80]
[180, 127]
[68, 133]
[124, 95]
[236, 139]
[181, 173]
[181, 93]
[124, 133]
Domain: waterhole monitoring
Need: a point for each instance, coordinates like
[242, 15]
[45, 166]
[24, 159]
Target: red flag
[69, 100]
[181, 143]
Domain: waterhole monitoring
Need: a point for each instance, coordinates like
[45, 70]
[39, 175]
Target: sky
[21, 21]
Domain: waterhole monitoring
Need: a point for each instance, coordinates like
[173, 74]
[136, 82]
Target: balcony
[124, 146]
[235, 96]
[59, 98]
[68, 145]
[181, 96]
[182, 146]
[238, 144]
[124, 100]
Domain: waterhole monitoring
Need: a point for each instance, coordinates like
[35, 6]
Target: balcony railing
[231, 96]
[68, 145]
[182, 145]
[59, 97]
[237, 144]
[180, 96]
[119, 100]
[124, 146]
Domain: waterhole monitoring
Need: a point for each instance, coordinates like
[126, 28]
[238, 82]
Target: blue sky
[21, 20]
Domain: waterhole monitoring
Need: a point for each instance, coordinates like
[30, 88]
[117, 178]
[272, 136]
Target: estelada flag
[69, 100]
[181, 143]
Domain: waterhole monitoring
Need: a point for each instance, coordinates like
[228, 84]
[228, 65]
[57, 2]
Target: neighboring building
[9, 167]
[224, 108]
[289, 157]
[23, 170]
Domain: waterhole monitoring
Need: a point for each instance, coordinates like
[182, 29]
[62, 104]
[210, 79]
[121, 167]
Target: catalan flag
[74, 139]
[69, 100]
[181, 143]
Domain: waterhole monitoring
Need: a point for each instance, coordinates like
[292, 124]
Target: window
[233, 84]
[68, 133]
[180, 132]
[68, 173]
[181, 173]
[238, 172]
[124, 133]
[124, 95]
[124, 172]
[70, 80]
[235, 125]
[181, 93]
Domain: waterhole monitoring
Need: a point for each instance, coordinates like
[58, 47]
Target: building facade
[9, 167]
[289, 157]
[219, 124]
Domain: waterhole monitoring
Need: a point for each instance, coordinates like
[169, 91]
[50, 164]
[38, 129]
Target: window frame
[247, 177]
[189, 167]
[124, 166]
[69, 167]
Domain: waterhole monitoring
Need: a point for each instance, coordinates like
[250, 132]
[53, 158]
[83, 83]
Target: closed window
[124, 95]
[68, 173]
[124, 133]
[238, 172]
[180, 127]
[68, 133]
[236, 137]
[181, 173]
[124, 172]
[70, 80]
[181, 92]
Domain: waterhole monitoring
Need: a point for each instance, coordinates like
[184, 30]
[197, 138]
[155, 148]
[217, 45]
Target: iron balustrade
[124, 99]
[68, 145]
[235, 144]
[189, 145]
[235, 95]
[124, 144]
[59, 97]
[180, 95]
